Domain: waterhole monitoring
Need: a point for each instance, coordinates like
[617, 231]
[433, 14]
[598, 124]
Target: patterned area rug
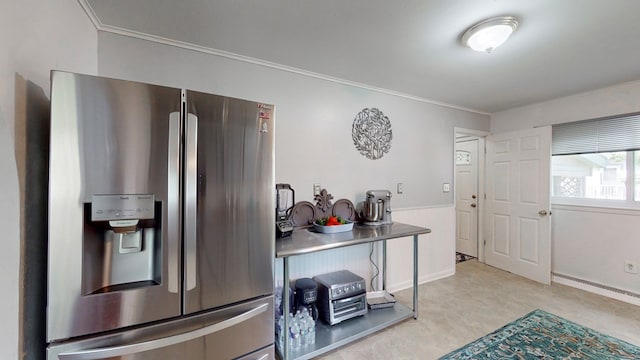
[540, 335]
[460, 257]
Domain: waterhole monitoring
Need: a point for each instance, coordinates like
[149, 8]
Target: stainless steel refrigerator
[161, 223]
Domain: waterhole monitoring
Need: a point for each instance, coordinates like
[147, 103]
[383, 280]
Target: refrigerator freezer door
[112, 137]
[242, 331]
[262, 354]
[234, 201]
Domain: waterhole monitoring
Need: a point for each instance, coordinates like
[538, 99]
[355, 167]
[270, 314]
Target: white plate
[333, 228]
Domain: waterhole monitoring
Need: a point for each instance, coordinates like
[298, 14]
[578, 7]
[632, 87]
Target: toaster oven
[341, 296]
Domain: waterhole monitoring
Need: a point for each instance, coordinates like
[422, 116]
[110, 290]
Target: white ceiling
[409, 46]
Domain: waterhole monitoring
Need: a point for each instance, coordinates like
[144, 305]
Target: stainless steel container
[373, 210]
[376, 209]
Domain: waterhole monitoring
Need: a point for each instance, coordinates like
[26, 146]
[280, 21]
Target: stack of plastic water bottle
[302, 330]
[278, 301]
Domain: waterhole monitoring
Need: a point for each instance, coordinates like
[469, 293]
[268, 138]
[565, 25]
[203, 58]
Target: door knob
[473, 205]
[542, 212]
[473, 196]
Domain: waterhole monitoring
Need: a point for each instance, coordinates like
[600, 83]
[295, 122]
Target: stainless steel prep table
[305, 241]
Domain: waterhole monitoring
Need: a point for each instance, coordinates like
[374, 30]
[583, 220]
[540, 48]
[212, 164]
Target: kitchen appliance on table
[285, 198]
[341, 296]
[376, 209]
[161, 233]
[306, 295]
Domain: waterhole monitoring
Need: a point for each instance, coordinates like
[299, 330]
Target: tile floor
[479, 299]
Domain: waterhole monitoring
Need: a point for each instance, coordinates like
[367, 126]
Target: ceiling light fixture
[489, 34]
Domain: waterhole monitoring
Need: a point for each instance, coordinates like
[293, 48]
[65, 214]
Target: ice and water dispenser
[121, 243]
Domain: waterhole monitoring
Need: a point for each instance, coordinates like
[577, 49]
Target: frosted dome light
[489, 34]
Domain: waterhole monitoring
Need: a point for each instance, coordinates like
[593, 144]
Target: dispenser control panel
[119, 207]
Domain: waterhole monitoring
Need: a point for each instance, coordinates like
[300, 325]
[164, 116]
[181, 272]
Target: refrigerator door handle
[191, 201]
[129, 349]
[173, 202]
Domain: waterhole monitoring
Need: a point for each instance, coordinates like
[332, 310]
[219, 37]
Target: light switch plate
[445, 187]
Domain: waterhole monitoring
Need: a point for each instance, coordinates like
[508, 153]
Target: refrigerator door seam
[102, 353]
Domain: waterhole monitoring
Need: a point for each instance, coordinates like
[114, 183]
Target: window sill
[619, 210]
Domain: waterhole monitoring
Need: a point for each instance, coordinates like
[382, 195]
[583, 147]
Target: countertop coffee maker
[306, 296]
[376, 209]
[285, 198]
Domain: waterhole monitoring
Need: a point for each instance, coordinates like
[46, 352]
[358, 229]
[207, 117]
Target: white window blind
[620, 133]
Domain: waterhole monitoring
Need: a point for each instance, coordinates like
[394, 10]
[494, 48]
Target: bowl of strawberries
[332, 224]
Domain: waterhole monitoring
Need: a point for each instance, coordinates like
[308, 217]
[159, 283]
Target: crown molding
[229, 55]
[90, 13]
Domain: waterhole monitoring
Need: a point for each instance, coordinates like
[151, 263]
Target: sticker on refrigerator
[264, 126]
[265, 112]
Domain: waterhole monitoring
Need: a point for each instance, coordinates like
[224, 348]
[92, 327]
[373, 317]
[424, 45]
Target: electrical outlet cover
[630, 267]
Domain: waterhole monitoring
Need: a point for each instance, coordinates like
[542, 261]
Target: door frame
[467, 194]
[480, 135]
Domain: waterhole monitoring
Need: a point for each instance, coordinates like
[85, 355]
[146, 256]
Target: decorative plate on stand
[304, 213]
[345, 209]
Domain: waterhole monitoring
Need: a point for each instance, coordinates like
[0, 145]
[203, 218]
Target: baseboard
[589, 286]
[422, 280]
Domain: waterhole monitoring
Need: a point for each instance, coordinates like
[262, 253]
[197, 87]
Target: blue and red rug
[541, 335]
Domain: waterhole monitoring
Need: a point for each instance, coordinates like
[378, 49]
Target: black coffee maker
[306, 296]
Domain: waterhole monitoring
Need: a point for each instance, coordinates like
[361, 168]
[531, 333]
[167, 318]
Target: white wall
[436, 250]
[587, 243]
[621, 99]
[313, 121]
[35, 36]
[597, 252]
[314, 145]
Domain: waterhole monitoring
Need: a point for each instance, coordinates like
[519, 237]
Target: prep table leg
[285, 308]
[384, 264]
[415, 276]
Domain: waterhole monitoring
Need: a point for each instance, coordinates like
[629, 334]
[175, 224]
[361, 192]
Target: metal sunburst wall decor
[371, 133]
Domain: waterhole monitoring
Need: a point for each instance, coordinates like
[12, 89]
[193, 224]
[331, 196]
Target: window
[597, 162]
[593, 176]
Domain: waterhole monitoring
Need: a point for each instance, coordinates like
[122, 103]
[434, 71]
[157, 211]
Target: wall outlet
[400, 188]
[630, 267]
[316, 189]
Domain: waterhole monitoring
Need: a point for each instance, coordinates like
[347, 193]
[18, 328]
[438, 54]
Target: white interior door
[467, 197]
[517, 206]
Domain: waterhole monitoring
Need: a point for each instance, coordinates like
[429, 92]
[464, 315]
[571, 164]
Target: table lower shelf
[332, 337]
